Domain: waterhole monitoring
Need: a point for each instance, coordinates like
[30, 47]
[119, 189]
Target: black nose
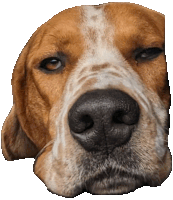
[101, 120]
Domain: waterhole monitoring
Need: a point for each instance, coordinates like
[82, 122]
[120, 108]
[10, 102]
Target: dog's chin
[118, 188]
[114, 185]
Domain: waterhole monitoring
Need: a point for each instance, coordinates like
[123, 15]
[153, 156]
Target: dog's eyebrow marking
[99, 67]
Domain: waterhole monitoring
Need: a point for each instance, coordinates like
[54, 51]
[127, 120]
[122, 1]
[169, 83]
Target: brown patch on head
[139, 27]
[38, 90]
[134, 25]
[62, 35]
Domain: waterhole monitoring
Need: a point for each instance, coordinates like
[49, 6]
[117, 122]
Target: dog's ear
[14, 140]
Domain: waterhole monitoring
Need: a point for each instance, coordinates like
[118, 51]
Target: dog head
[91, 100]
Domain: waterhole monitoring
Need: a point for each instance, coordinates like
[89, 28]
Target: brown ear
[14, 141]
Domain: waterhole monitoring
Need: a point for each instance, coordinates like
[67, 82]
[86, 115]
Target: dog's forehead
[120, 14]
[134, 15]
[135, 27]
[131, 24]
[60, 33]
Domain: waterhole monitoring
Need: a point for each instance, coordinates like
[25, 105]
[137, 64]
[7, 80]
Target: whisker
[48, 144]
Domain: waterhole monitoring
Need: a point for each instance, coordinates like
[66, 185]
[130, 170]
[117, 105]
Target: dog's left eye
[142, 55]
[51, 64]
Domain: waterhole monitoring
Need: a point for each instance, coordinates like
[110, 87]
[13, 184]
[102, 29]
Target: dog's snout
[103, 119]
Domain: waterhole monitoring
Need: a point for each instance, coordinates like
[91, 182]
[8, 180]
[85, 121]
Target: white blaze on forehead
[95, 26]
[99, 36]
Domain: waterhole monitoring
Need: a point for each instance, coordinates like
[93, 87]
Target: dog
[91, 101]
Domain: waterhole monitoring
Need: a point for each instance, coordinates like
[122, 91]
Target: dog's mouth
[111, 182]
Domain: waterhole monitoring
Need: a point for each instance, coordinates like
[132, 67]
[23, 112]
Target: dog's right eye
[51, 64]
[143, 55]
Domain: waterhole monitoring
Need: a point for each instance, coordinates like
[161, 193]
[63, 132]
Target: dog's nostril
[87, 121]
[117, 117]
[80, 122]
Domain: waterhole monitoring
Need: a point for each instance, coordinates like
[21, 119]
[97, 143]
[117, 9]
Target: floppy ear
[14, 140]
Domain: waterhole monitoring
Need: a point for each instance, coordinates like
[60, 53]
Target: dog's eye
[51, 64]
[142, 55]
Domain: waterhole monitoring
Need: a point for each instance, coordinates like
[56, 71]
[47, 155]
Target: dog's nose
[101, 120]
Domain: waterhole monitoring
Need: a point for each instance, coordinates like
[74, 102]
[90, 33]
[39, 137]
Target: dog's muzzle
[101, 120]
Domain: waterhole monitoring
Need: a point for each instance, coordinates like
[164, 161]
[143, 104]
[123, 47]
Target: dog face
[91, 100]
